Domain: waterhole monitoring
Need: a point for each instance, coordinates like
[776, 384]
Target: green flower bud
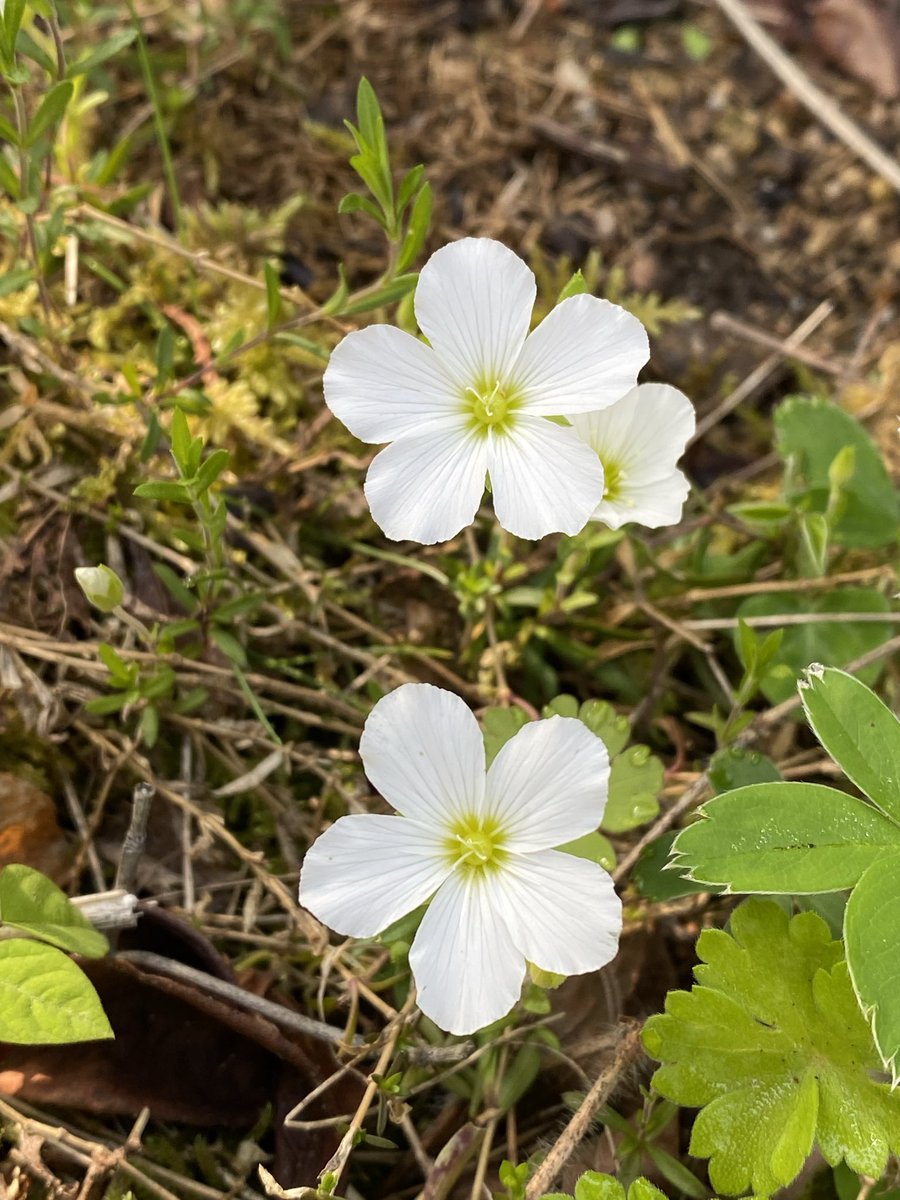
[102, 586]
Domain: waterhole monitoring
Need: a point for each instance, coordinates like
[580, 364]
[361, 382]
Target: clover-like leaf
[772, 1046]
[32, 903]
[860, 733]
[45, 998]
[792, 838]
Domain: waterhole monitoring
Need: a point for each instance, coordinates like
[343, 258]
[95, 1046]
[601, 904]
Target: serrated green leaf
[635, 780]
[50, 111]
[871, 924]
[45, 998]
[787, 838]
[833, 643]
[772, 1046]
[33, 904]
[810, 433]
[860, 733]
[499, 725]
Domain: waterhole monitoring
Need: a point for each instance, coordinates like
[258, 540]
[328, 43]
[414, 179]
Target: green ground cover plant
[479, 727]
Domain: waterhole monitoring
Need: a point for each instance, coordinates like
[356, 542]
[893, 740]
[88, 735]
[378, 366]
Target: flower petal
[584, 355]
[473, 302]
[427, 488]
[367, 871]
[647, 429]
[562, 912]
[423, 751]
[548, 784]
[652, 503]
[544, 479]
[468, 973]
[383, 383]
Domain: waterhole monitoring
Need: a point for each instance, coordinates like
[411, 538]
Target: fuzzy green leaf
[791, 838]
[772, 1045]
[860, 733]
[871, 921]
[45, 998]
[32, 903]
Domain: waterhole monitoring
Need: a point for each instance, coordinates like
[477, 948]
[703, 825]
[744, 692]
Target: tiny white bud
[102, 586]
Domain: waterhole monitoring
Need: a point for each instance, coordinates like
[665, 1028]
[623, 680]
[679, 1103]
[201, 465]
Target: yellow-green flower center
[613, 479]
[491, 404]
[476, 844]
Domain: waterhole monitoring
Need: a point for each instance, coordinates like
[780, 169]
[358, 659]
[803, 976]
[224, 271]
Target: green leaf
[610, 727]
[354, 202]
[229, 645]
[50, 111]
[654, 877]
[635, 781]
[860, 733]
[163, 490]
[772, 1046]
[576, 286]
[833, 643]
[594, 847]
[736, 767]
[788, 838]
[273, 295]
[810, 433]
[417, 232]
[109, 49]
[871, 922]
[499, 725]
[211, 468]
[395, 290]
[33, 904]
[182, 442]
[45, 998]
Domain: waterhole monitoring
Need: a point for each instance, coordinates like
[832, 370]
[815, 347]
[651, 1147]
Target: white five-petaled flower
[480, 846]
[474, 402]
[639, 439]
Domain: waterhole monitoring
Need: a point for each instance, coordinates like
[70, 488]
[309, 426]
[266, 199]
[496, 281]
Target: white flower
[639, 440]
[475, 401]
[480, 846]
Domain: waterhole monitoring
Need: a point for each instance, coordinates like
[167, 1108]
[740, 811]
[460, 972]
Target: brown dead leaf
[862, 38]
[185, 1054]
[29, 832]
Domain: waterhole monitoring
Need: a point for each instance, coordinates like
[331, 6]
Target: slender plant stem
[159, 124]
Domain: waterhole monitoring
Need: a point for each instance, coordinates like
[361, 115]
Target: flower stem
[338, 1160]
